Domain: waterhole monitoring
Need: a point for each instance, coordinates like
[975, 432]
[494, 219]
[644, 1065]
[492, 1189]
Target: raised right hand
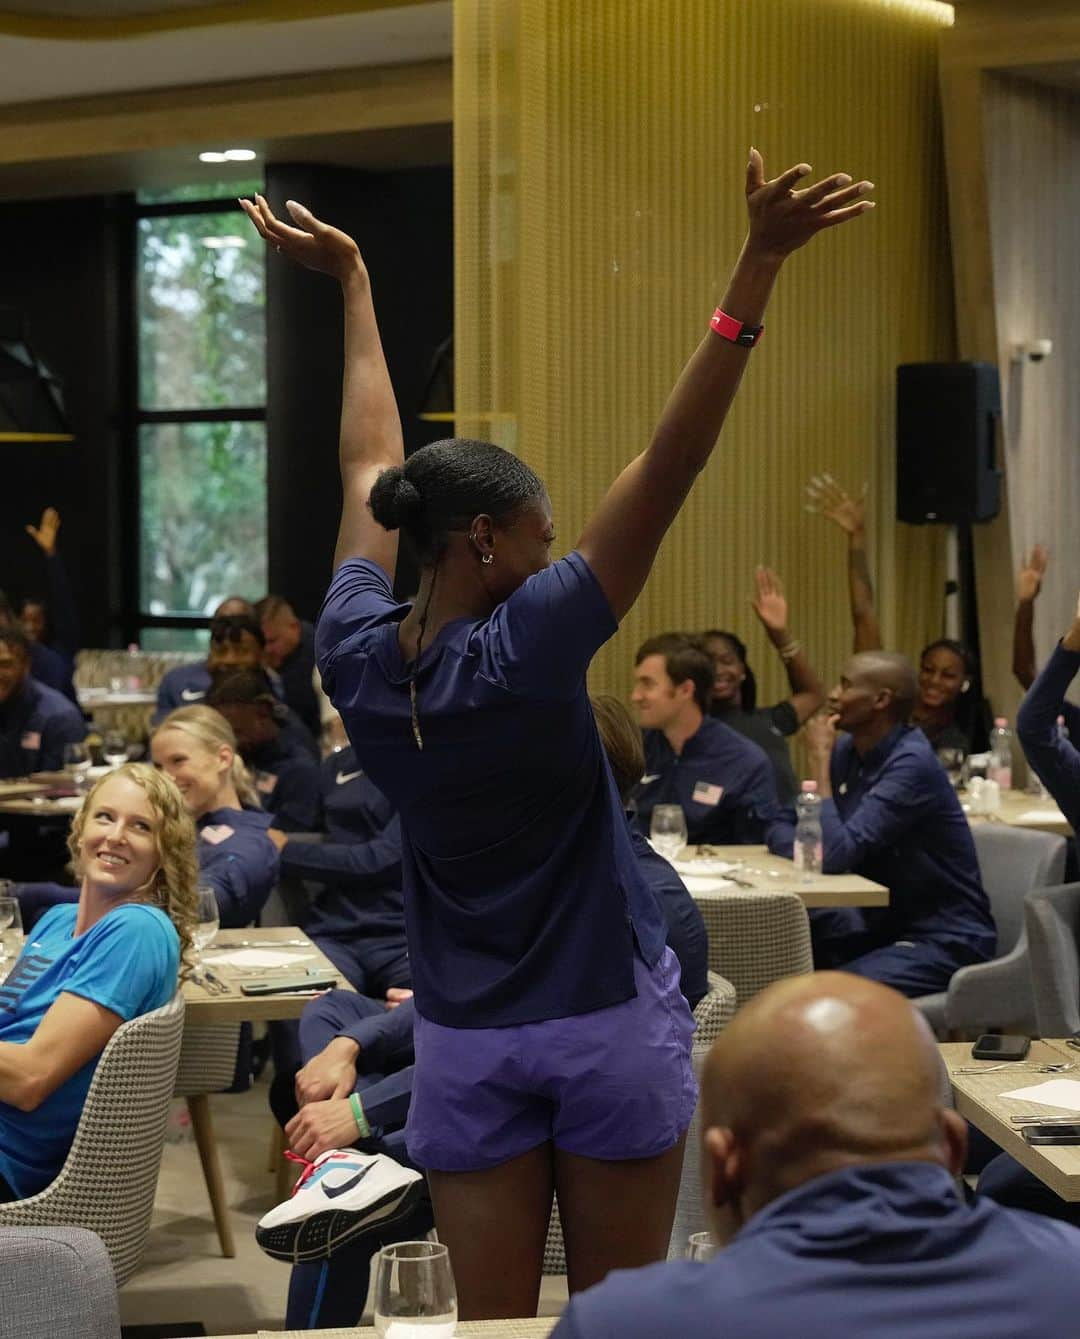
[313, 244]
[826, 497]
[1029, 578]
[44, 533]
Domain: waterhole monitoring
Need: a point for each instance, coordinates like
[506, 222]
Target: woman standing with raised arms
[552, 1045]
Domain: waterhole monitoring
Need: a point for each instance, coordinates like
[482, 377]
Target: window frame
[134, 417]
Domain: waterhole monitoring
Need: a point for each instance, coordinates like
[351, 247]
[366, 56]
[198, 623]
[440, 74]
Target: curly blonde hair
[210, 729]
[176, 878]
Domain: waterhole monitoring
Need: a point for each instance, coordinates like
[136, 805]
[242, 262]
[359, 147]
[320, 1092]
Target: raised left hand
[782, 218]
[44, 533]
[771, 604]
[320, 1126]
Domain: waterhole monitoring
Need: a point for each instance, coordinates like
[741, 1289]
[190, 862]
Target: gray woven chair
[59, 1283]
[713, 1013]
[998, 994]
[107, 1183]
[208, 1065]
[755, 938]
[1053, 927]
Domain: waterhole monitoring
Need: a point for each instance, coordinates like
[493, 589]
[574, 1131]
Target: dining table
[214, 992]
[1019, 809]
[711, 871]
[979, 1089]
[538, 1327]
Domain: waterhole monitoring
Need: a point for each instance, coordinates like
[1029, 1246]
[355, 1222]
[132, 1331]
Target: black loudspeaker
[946, 443]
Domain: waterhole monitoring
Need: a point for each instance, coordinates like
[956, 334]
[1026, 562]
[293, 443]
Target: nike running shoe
[339, 1197]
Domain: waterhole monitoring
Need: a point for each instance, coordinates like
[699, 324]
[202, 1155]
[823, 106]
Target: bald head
[817, 1073]
[876, 692]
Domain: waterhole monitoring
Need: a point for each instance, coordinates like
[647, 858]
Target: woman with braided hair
[552, 1044]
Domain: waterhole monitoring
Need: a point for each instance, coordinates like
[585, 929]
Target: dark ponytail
[441, 487]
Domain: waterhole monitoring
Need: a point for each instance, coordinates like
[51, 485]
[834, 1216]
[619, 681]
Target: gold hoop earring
[488, 559]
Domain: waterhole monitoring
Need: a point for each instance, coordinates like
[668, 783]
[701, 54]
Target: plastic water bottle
[807, 851]
[999, 768]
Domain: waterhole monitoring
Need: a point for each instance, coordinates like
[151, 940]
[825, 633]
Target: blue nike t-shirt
[523, 896]
[128, 963]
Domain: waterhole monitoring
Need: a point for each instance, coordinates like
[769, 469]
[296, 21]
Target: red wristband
[734, 331]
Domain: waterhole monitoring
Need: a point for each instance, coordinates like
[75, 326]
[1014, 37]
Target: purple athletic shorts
[613, 1084]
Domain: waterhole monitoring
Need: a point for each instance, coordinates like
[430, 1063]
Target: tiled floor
[184, 1276]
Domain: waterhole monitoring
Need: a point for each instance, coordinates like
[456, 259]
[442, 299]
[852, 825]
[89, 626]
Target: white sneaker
[340, 1196]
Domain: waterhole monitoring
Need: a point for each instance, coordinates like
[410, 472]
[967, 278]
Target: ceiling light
[223, 243]
[212, 157]
[240, 155]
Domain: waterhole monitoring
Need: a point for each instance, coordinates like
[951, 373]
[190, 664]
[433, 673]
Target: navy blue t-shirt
[358, 867]
[522, 892]
[287, 781]
[724, 783]
[238, 860]
[686, 937]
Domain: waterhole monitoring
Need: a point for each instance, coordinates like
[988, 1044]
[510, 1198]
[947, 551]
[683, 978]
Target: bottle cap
[1000, 721]
[809, 787]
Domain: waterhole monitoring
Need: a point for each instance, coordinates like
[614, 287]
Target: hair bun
[395, 501]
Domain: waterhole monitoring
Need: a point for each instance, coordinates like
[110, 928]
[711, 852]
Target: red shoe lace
[308, 1167]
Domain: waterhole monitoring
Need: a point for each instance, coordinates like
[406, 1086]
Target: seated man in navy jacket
[830, 1165]
[724, 783]
[35, 721]
[890, 813]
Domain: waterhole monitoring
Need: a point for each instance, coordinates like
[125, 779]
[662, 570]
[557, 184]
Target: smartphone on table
[990, 1046]
[1053, 1134]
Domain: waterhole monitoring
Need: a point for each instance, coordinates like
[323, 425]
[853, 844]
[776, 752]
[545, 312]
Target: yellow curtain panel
[600, 150]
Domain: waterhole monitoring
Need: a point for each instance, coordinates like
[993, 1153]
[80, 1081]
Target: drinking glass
[667, 830]
[415, 1295]
[10, 922]
[953, 761]
[77, 762]
[207, 921]
[114, 748]
[700, 1246]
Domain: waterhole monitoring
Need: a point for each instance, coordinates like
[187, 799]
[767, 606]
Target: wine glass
[10, 920]
[667, 830]
[114, 748]
[207, 920]
[701, 1246]
[77, 762]
[415, 1294]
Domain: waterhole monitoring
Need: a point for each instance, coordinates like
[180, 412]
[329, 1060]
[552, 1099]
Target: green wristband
[358, 1115]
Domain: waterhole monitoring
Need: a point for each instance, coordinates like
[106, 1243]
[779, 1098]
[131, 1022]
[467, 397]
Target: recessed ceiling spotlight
[223, 243]
[211, 156]
[240, 155]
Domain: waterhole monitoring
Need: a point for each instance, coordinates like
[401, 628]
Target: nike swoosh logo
[192, 694]
[343, 777]
[649, 777]
[332, 1192]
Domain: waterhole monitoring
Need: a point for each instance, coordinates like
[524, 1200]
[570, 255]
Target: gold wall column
[600, 150]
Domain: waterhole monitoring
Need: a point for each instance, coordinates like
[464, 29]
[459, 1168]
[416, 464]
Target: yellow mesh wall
[599, 156]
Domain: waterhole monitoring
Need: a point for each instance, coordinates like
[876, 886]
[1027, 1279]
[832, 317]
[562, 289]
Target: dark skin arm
[771, 607]
[621, 540]
[370, 440]
[826, 497]
[1028, 585]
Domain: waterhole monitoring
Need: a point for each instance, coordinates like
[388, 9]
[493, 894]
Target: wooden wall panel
[599, 158]
[1032, 137]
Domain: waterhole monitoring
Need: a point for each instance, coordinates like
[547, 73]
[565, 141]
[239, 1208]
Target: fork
[1058, 1068]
